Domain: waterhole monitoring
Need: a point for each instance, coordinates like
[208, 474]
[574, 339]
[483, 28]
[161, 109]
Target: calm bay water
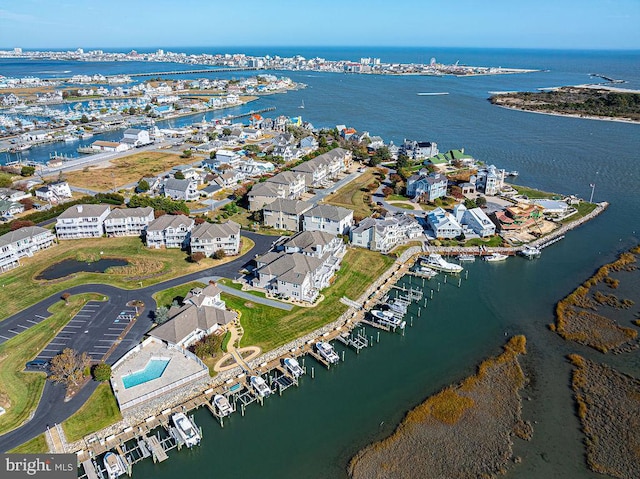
[313, 430]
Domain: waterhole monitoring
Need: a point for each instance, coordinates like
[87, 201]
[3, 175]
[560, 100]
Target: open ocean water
[313, 430]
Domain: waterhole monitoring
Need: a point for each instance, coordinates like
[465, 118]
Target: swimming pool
[152, 370]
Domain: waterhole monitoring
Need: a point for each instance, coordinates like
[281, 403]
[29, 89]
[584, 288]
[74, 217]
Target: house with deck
[385, 233]
[128, 221]
[208, 238]
[328, 218]
[82, 221]
[22, 243]
[444, 224]
[284, 214]
[169, 231]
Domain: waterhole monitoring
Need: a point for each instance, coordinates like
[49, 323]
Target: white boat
[513, 173]
[467, 257]
[293, 367]
[114, 464]
[437, 262]
[387, 318]
[495, 257]
[222, 404]
[398, 306]
[70, 138]
[327, 352]
[19, 148]
[530, 252]
[302, 105]
[260, 385]
[86, 136]
[427, 272]
[186, 429]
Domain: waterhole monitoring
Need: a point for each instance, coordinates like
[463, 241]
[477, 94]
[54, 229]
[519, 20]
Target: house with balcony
[181, 189]
[385, 233]
[208, 238]
[201, 313]
[82, 221]
[444, 224]
[287, 185]
[283, 214]
[427, 187]
[489, 180]
[128, 221]
[475, 220]
[328, 218]
[22, 243]
[135, 137]
[54, 192]
[169, 231]
[315, 173]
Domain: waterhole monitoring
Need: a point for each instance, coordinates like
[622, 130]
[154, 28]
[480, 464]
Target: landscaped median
[19, 391]
[146, 267]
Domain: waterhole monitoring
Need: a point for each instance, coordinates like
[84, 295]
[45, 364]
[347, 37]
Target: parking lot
[96, 328]
[7, 332]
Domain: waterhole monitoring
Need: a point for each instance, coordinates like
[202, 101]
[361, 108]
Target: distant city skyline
[552, 24]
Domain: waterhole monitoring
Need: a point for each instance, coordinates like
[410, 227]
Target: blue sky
[573, 24]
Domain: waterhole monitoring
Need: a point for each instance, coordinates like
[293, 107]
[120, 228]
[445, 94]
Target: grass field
[100, 410]
[492, 242]
[166, 296]
[37, 445]
[123, 171]
[404, 206]
[584, 208]
[20, 391]
[269, 328]
[148, 266]
[351, 195]
[532, 193]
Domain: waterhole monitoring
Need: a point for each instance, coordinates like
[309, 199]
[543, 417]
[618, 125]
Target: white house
[181, 189]
[54, 192]
[328, 218]
[444, 224]
[135, 137]
[384, 234]
[170, 231]
[82, 221]
[113, 146]
[128, 221]
[23, 242]
[208, 238]
[474, 219]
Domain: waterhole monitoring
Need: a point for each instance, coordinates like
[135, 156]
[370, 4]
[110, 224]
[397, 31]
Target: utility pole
[593, 187]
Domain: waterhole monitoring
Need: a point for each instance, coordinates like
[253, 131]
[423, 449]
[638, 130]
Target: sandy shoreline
[572, 115]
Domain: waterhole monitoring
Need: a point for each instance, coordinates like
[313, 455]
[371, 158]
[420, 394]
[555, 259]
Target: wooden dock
[157, 451]
[89, 469]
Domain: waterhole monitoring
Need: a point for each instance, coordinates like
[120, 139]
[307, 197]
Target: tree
[132, 110]
[17, 224]
[186, 154]
[143, 186]
[219, 254]
[179, 175]
[161, 315]
[226, 131]
[101, 372]
[84, 119]
[386, 191]
[68, 367]
[470, 204]
[5, 180]
[197, 257]
[27, 170]
[481, 201]
[212, 135]
[65, 297]
[403, 161]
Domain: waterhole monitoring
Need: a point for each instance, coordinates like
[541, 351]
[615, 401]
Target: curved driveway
[52, 408]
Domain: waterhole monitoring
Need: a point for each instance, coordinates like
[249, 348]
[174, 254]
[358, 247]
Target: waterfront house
[443, 224]
[181, 189]
[113, 146]
[128, 221]
[428, 187]
[54, 192]
[384, 234]
[135, 137]
[23, 242]
[284, 214]
[328, 218]
[169, 231]
[475, 220]
[489, 180]
[82, 221]
[202, 313]
[419, 149]
[208, 238]
[518, 218]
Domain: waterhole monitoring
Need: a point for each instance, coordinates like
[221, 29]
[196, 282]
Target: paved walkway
[248, 296]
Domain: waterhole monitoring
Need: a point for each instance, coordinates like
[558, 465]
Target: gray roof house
[181, 189]
[21, 243]
[283, 214]
[82, 221]
[128, 221]
[208, 238]
[202, 313]
[170, 231]
[331, 219]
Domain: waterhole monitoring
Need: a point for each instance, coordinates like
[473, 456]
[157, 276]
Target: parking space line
[72, 326]
[102, 347]
[41, 317]
[109, 334]
[32, 321]
[49, 349]
[78, 320]
[21, 326]
[3, 337]
[57, 344]
[105, 340]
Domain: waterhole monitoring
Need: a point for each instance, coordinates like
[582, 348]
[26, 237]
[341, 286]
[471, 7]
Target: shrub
[219, 254]
[101, 372]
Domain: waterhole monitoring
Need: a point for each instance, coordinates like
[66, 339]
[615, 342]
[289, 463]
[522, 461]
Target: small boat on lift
[495, 257]
[222, 405]
[186, 429]
[114, 465]
[292, 365]
[327, 352]
[260, 385]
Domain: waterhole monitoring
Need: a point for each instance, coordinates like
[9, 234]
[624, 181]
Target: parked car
[40, 364]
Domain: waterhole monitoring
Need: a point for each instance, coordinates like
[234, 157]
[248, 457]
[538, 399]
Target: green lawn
[532, 193]
[584, 208]
[37, 445]
[404, 206]
[19, 391]
[149, 266]
[269, 328]
[166, 296]
[492, 242]
[100, 410]
[397, 198]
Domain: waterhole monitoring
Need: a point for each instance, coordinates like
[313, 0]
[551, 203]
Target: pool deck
[180, 367]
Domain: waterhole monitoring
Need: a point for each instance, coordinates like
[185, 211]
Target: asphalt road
[52, 408]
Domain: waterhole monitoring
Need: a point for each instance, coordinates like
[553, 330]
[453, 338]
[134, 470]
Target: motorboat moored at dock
[327, 352]
[186, 429]
[260, 385]
[467, 257]
[437, 262]
[114, 464]
[222, 405]
[387, 318]
[530, 252]
[293, 367]
[495, 257]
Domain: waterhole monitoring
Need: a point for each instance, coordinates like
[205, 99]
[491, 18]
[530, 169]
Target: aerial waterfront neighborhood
[207, 238]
